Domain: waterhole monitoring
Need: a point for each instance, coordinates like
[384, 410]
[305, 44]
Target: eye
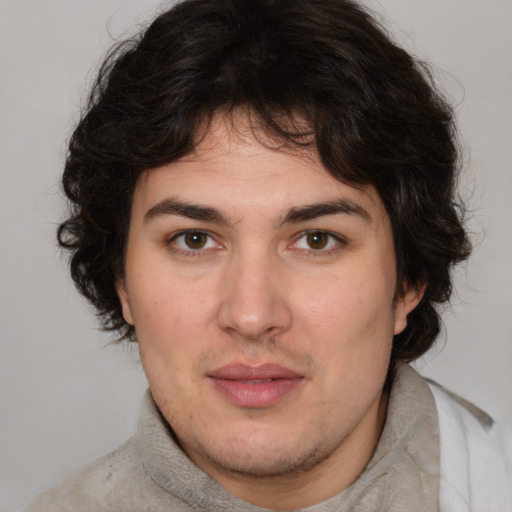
[193, 241]
[318, 241]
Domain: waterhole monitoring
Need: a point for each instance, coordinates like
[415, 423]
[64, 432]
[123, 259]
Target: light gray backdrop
[67, 396]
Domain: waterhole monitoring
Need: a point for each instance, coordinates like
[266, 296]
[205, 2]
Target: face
[262, 294]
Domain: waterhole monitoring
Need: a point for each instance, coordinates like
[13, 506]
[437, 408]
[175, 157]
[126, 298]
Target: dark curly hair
[371, 110]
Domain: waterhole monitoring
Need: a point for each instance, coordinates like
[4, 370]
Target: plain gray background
[67, 395]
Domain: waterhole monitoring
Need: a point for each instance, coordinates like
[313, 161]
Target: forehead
[241, 136]
[235, 162]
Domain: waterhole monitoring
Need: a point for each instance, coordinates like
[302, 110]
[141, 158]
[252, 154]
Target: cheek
[168, 303]
[167, 340]
[347, 303]
[351, 322]
[173, 326]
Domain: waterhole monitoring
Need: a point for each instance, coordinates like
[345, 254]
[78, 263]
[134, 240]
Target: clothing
[476, 457]
[429, 458]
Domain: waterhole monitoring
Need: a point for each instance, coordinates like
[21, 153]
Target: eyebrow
[293, 216]
[183, 209]
[313, 211]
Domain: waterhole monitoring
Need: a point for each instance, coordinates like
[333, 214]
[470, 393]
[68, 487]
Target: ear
[124, 299]
[405, 304]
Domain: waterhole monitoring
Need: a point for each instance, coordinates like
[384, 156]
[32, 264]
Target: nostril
[258, 325]
[252, 302]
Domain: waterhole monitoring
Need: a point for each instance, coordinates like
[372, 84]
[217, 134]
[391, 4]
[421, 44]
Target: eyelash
[190, 252]
[332, 237]
[200, 252]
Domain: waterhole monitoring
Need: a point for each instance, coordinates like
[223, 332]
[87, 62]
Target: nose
[254, 301]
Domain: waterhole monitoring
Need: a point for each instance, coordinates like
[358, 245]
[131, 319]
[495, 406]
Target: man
[262, 197]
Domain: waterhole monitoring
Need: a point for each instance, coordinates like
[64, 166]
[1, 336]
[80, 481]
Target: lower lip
[255, 394]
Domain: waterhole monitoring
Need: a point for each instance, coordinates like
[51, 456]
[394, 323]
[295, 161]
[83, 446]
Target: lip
[255, 386]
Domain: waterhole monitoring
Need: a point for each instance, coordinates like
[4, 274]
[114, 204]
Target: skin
[256, 280]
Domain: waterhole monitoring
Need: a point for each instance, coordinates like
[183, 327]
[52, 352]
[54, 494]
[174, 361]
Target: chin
[269, 459]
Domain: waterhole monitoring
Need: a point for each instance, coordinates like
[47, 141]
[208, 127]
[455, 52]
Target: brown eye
[195, 240]
[321, 242]
[317, 240]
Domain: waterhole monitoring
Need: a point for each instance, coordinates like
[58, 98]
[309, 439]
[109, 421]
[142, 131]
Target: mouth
[254, 386]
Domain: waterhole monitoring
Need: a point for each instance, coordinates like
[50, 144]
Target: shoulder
[112, 483]
[475, 457]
